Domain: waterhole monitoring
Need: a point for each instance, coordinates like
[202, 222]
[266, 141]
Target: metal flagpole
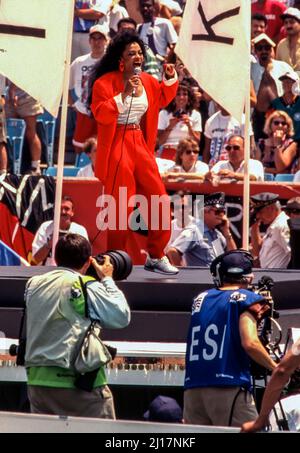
[246, 186]
[62, 137]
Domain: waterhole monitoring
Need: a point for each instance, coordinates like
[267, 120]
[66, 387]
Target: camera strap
[84, 291]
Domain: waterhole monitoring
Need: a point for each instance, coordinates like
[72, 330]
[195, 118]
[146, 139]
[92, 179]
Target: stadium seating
[82, 160]
[284, 177]
[15, 135]
[68, 171]
[49, 123]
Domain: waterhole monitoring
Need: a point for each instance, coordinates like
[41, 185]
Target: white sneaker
[160, 265]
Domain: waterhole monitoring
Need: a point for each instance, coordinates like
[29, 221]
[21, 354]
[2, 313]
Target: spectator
[289, 102]
[42, 242]
[151, 65]
[117, 13]
[164, 409]
[279, 152]
[217, 128]
[232, 170]
[288, 49]
[265, 73]
[202, 241]
[179, 121]
[20, 105]
[3, 133]
[80, 71]
[187, 165]
[272, 9]
[59, 306]
[169, 9]
[88, 13]
[221, 341]
[156, 32]
[273, 249]
[258, 24]
[90, 149]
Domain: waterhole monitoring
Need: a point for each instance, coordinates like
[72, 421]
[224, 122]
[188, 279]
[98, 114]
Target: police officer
[202, 241]
[221, 341]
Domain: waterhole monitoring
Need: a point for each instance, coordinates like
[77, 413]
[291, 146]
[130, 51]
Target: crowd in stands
[197, 138]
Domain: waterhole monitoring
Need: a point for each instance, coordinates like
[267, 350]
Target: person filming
[221, 341]
[56, 303]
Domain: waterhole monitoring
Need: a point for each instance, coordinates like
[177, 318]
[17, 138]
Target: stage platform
[160, 306]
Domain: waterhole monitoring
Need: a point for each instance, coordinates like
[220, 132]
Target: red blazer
[106, 113]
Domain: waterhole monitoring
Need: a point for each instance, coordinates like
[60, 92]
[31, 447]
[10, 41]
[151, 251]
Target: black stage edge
[160, 306]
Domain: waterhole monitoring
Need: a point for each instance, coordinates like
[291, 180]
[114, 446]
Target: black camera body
[120, 260]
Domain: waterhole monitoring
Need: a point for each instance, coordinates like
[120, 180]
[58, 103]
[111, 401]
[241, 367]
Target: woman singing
[125, 104]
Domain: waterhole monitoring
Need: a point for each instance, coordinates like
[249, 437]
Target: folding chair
[284, 177]
[68, 171]
[15, 135]
[49, 123]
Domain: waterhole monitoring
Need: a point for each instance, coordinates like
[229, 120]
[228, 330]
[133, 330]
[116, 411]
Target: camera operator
[221, 341]
[279, 379]
[56, 304]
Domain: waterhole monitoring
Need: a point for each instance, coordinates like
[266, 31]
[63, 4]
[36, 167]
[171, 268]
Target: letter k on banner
[214, 46]
[33, 43]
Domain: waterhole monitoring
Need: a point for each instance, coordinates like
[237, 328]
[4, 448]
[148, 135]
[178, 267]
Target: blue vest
[215, 356]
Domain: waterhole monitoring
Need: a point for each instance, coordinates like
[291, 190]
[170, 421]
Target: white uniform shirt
[45, 231]
[297, 176]
[255, 169]
[180, 131]
[275, 252]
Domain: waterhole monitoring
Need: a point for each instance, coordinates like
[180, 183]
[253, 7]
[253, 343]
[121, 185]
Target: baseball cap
[263, 199]
[234, 264]
[263, 37]
[292, 204]
[99, 29]
[216, 199]
[291, 12]
[290, 75]
[164, 409]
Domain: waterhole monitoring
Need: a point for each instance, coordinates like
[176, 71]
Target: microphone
[137, 71]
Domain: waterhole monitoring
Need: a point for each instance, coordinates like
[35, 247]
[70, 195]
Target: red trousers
[133, 178]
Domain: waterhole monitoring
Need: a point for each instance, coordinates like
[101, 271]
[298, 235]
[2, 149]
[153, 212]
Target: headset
[235, 273]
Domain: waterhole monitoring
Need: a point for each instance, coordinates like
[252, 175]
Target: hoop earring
[121, 66]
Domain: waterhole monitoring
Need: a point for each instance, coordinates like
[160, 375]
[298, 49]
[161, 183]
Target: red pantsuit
[125, 157]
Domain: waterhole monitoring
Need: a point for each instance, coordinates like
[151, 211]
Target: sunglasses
[234, 147]
[261, 47]
[278, 123]
[190, 151]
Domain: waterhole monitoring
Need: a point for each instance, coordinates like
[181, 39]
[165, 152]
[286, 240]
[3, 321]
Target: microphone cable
[137, 71]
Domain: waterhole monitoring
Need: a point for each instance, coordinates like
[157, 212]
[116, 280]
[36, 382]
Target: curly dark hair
[191, 99]
[111, 59]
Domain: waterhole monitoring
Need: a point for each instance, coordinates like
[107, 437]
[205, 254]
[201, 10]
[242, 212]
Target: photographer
[221, 341]
[57, 303]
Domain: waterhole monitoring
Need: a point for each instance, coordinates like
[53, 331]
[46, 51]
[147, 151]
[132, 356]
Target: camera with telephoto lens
[120, 260]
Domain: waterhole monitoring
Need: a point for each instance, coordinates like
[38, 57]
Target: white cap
[291, 12]
[290, 75]
[99, 29]
[263, 37]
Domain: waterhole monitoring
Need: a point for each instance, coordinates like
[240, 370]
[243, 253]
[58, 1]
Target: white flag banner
[33, 43]
[214, 46]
